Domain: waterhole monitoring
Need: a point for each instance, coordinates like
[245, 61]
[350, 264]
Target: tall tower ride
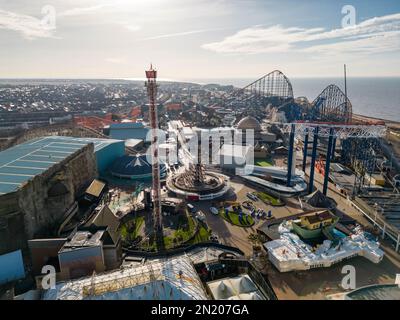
[151, 86]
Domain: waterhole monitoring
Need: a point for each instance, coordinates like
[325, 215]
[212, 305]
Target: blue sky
[194, 39]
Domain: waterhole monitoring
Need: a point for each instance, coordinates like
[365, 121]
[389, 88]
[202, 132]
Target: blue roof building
[135, 168]
[129, 130]
[24, 161]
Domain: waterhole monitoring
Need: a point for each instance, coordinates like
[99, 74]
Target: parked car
[214, 210]
[200, 216]
[190, 207]
[248, 204]
[214, 238]
[252, 196]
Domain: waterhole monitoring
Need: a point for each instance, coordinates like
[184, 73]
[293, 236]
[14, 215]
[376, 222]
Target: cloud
[132, 28]
[114, 60]
[178, 34]
[29, 26]
[374, 35]
[80, 11]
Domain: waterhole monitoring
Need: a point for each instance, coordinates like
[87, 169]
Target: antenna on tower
[345, 86]
[345, 82]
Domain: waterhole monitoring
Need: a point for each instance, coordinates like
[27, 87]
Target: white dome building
[249, 123]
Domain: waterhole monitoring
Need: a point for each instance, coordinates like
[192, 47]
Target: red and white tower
[151, 86]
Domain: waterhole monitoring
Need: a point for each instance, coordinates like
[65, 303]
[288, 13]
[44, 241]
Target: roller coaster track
[340, 130]
[332, 105]
[273, 85]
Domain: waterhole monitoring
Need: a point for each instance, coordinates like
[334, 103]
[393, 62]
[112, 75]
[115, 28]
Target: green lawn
[233, 218]
[130, 230]
[262, 163]
[184, 234]
[267, 198]
[202, 235]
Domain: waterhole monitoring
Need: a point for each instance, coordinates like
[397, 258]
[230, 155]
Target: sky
[198, 39]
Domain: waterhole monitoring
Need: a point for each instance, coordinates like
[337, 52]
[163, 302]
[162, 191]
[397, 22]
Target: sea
[373, 97]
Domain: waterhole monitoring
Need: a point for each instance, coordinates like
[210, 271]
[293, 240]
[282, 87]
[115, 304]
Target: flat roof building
[24, 161]
[129, 130]
[39, 182]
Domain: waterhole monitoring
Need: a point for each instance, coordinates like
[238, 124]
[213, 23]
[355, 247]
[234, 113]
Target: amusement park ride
[328, 116]
[151, 86]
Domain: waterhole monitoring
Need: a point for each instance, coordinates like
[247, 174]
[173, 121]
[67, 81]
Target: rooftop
[23, 162]
[95, 188]
[249, 123]
[83, 239]
[240, 287]
[318, 216]
[167, 279]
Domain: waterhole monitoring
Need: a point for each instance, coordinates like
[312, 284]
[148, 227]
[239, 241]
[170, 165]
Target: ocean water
[374, 97]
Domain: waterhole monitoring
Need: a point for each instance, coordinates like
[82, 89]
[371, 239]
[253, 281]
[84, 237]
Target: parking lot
[238, 236]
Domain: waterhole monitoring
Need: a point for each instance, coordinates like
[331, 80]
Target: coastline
[389, 123]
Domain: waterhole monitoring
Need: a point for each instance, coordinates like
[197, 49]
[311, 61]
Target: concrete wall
[12, 231]
[81, 262]
[42, 250]
[112, 256]
[106, 156]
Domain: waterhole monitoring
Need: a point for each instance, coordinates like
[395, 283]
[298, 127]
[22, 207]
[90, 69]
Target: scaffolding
[164, 279]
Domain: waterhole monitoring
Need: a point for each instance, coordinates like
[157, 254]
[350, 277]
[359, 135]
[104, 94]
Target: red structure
[135, 112]
[94, 122]
[173, 107]
[151, 86]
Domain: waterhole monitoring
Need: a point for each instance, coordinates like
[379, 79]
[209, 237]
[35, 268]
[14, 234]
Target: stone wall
[37, 209]
[12, 231]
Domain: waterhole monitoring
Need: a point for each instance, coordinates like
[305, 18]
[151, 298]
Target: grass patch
[233, 218]
[183, 234]
[268, 199]
[130, 230]
[262, 162]
[203, 235]
[186, 227]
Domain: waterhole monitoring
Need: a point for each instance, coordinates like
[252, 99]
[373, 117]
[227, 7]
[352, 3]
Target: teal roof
[21, 163]
[128, 130]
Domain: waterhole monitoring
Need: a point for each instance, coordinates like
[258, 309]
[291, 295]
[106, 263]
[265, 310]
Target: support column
[305, 150]
[333, 148]
[384, 231]
[292, 152]
[398, 242]
[328, 161]
[313, 158]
